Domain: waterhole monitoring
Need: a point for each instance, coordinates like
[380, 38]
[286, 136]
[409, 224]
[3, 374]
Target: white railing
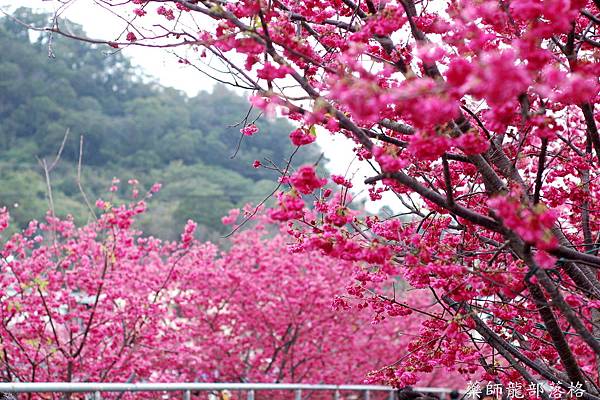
[187, 388]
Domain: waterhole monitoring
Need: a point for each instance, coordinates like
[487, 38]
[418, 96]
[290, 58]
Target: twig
[85, 198]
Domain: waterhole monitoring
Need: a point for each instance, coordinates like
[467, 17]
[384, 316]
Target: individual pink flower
[230, 218]
[266, 104]
[389, 159]
[305, 180]
[290, 207]
[406, 378]
[339, 215]
[131, 37]
[4, 218]
[301, 137]
[249, 130]
[472, 143]
[458, 72]
[270, 72]
[155, 188]
[332, 125]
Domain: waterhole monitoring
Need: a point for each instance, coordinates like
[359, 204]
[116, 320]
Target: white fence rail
[187, 388]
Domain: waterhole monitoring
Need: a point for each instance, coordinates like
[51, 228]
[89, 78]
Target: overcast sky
[164, 67]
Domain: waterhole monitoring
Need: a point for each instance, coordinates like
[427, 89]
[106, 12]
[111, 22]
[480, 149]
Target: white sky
[158, 63]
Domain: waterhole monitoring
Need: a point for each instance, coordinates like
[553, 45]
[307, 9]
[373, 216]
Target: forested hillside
[130, 129]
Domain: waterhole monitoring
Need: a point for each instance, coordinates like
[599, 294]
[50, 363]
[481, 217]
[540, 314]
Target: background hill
[131, 129]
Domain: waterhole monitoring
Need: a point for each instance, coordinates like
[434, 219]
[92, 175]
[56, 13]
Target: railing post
[97, 396]
[367, 395]
[250, 394]
[298, 394]
[187, 395]
[336, 395]
[392, 395]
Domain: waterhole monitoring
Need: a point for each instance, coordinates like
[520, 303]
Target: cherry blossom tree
[480, 116]
[102, 303]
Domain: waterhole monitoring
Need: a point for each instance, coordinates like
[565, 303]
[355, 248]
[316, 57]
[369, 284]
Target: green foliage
[131, 129]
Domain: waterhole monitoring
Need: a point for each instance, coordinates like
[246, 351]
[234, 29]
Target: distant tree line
[132, 128]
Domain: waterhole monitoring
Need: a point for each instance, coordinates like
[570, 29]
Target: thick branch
[592, 129]
[559, 301]
[438, 199]
[558, 337]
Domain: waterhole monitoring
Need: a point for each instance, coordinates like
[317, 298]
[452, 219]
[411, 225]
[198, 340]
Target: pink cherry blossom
[480, 118]
[249, 130]
[301, 137]
[305, 180]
